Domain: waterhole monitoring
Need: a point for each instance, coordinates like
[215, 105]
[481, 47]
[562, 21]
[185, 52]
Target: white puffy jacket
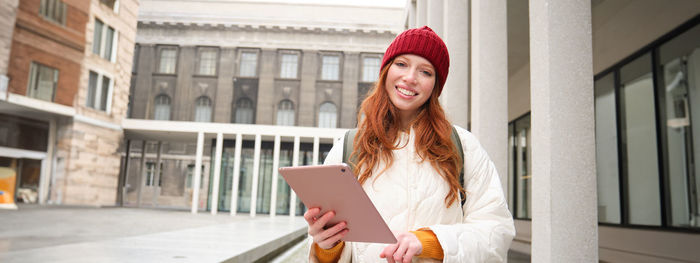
[411, 194]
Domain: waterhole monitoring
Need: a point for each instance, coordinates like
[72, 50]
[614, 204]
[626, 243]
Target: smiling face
[409, 84]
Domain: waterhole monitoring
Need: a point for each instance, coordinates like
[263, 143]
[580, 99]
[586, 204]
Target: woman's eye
[400, 64]
[427, 73]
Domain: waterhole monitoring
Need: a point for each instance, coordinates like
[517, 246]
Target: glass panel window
[285, 113]
[289, 65]
[103, 40]
[99, 92]
[162, 108]
[637, 93]
[244, 111]
[109, 3]
[523, 168]
[245, 178]
[168, 60]
[53, 10]
[190, 174]
[680, 63]
[370, 69]
[331, 68]
[606, 151]
[511, 163]
[42, 82]
[207, 62]
[150, 174]
[202, 112]
[249, 64]
[327, 115]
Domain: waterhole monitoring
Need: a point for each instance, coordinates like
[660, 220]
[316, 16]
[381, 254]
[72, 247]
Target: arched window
[285, 113]
[327, 115]
[244, 111]
[162, 108]
[202, 110]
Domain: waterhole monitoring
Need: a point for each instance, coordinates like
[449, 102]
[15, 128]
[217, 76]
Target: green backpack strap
[348, 147]
[458, 145]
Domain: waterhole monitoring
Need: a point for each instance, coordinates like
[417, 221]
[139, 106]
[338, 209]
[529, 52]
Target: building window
[370, 69]
[135, 59]
[162, 108]
[202, 111]
[244, 111]
[104, 41]
[168, 61]
[151, 172]
[249, 64]
[53, 10]
[646, 147]
[606, 150]
[285, 113]
[289, 66]
[207, 61]
[42, 82]
[520, 168]
[99, 92]
[190, 174]
[112, 4]
[331, 68]
[327, 115]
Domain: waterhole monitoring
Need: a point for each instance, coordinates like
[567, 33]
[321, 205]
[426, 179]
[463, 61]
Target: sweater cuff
[329, 255]
[431, 245]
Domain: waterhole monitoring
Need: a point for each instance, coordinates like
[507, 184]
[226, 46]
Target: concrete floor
[76, 234]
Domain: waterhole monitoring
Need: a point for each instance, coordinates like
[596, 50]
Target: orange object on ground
[8, 178]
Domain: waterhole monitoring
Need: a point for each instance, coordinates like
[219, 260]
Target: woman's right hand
[325, 238]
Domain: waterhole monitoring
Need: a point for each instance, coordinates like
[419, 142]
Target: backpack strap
[458, 145]
[348, 147]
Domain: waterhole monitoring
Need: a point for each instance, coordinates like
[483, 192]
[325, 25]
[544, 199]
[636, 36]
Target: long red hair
[378, 135]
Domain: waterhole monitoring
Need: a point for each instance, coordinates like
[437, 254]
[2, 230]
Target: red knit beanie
[425, 43]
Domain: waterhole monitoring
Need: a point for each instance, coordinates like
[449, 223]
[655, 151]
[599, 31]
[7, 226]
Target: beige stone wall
[8, 13]
[90, 148]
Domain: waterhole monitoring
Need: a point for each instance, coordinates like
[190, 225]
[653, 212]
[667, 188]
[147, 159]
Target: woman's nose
[410, 75]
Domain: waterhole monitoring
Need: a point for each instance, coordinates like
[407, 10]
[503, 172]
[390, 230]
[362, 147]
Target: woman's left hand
[404, 250]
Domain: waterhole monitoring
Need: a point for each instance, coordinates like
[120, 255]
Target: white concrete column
[455, 94]
[256, 174]
[197, 172]
[47, 164]
[295, 162]
[421, 13]
[490, 81]
[411, 6]
[564, 221]
[236, 173]
[217, 174]
[315, 158]
[275, 176]
[435, 16]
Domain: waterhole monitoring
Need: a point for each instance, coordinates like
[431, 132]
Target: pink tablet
[334, 187]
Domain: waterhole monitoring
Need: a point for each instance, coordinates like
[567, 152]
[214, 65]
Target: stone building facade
[67, 94]
[242, 62]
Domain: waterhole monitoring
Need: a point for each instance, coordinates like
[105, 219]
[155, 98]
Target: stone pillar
[411, 5]
[307, 93]
[266, 87]
[489, 85]
[183, 102]
[455, 95]
[224, 86]
[348, 108]
[436, 16]
[564, 222]
[421, 13]
[142, 98]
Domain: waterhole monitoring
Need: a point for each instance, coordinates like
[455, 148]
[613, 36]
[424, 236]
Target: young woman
[407, 163]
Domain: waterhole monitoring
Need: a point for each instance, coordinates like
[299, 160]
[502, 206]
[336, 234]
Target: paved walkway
[69, 234]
